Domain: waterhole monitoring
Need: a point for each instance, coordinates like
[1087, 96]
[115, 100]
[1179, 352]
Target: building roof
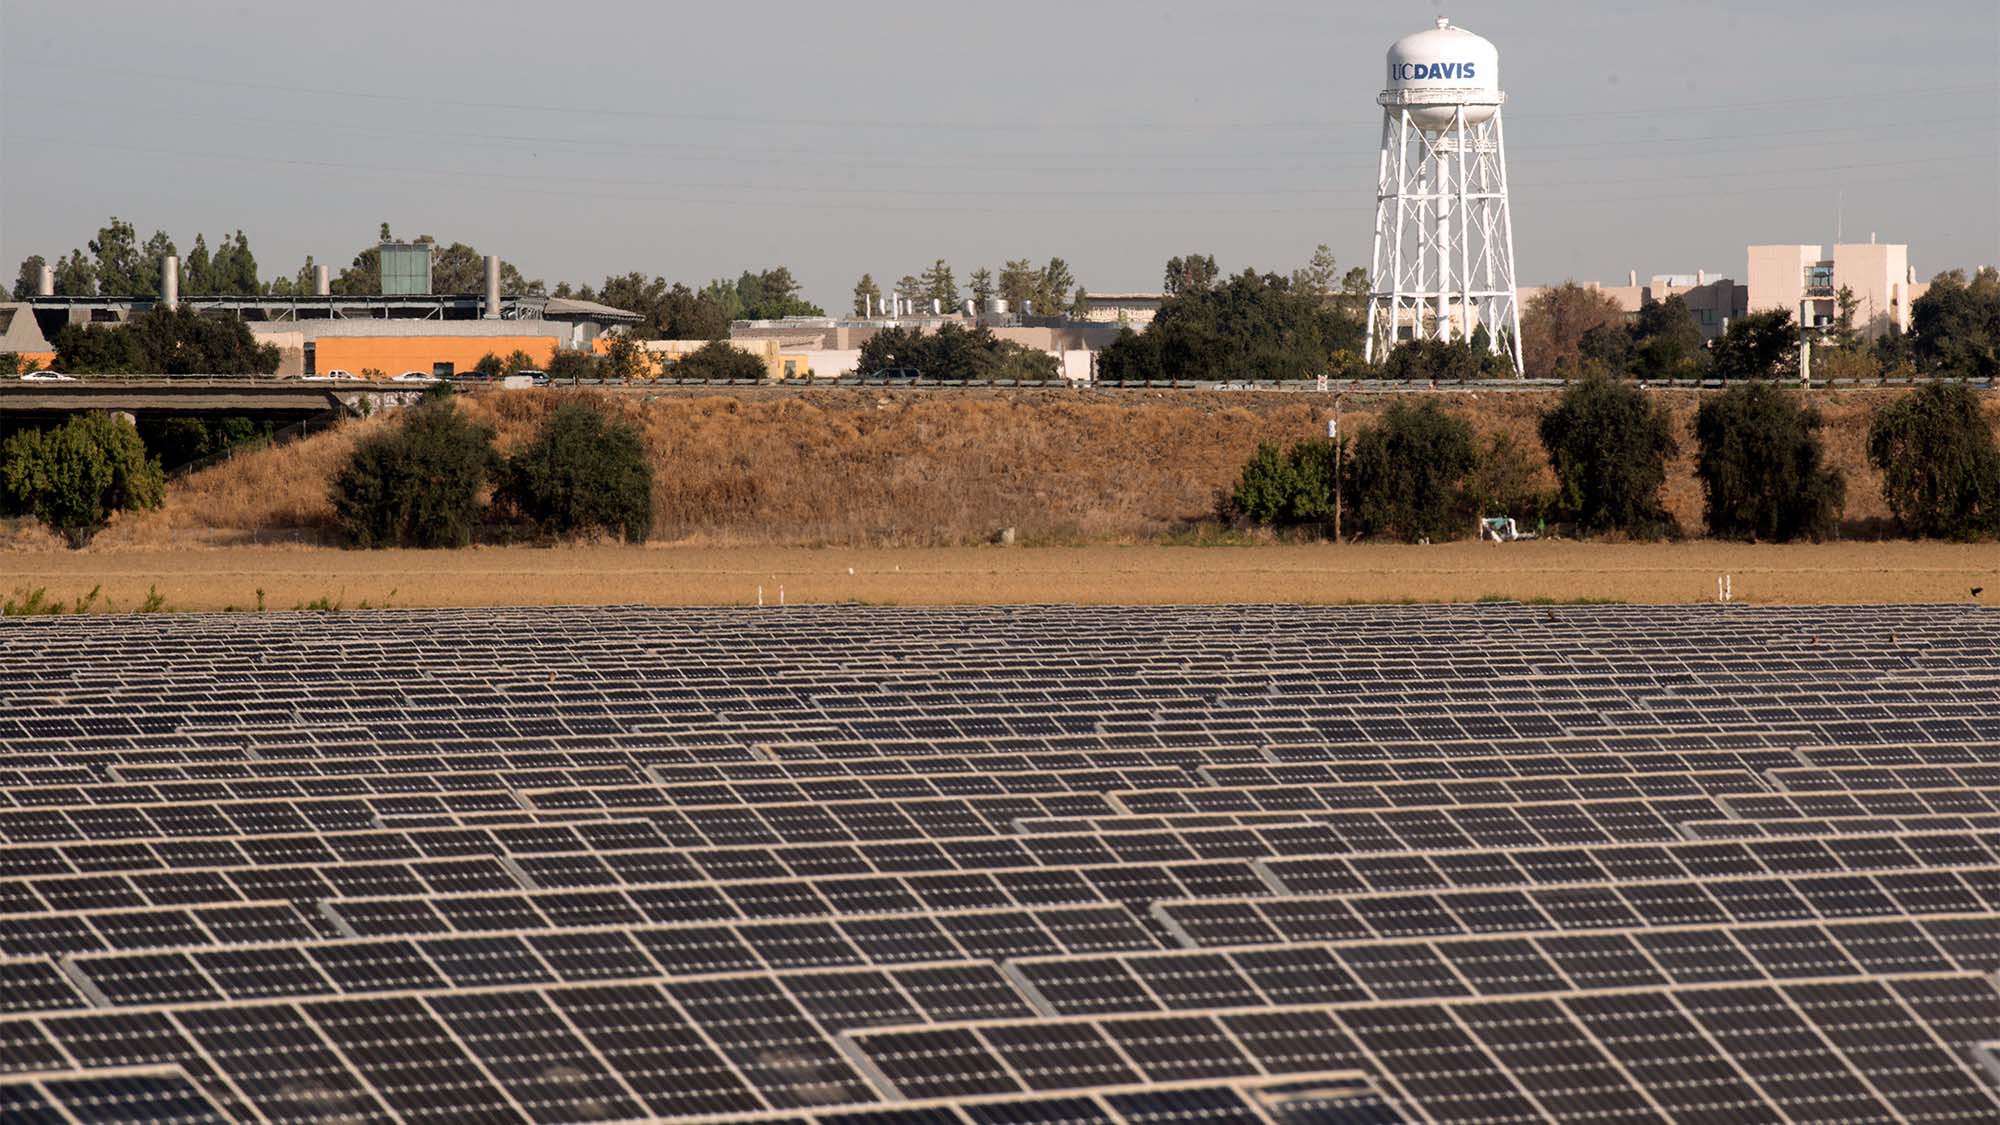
[588, 310]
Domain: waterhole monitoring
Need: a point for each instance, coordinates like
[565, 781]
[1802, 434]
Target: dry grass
[218, 578]
[903, 468]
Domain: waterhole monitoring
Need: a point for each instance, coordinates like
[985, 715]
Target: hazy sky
[584, 137]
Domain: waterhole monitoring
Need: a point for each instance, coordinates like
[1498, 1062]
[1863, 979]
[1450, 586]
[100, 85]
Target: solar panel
[1035, 865]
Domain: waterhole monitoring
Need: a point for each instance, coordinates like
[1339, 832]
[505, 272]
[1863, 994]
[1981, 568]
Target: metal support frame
[1443, 263]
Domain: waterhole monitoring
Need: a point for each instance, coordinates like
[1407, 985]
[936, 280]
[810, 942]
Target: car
[472, 377]
[47, 377]
[540, 378]
[336, 374]
[897, 374]
[416, 377]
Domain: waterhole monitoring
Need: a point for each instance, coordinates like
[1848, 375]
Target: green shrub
[74, 476]
[572, 367]
[1506, 481]
[581, 474]
[1409, 472]
[1609, 445]
[1940, 470]
[1289, 488]
[1762, 466]
[417, 484]
[1418, 360]
[718, 360]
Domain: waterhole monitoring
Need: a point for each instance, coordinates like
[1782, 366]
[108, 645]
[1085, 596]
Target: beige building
[1714, 301]
[1134, 309]
[1797, 278]
[1807, 282]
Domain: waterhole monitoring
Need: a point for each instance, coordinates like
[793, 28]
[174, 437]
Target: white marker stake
[760, 595]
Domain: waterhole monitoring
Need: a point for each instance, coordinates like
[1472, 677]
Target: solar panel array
[1023, 866]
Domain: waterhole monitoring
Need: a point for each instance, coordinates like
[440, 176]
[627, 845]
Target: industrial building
[406, 329]
[1800, 279]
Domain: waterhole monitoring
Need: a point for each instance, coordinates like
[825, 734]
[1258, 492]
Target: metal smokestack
[170, 281]
[45, 282]
[492, 308]
[322, 282]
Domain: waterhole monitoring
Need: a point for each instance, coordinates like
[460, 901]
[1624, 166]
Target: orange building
[441, 354]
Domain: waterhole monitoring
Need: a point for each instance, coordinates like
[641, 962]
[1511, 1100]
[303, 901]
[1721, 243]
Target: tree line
[1420, 474]
[1050, 289]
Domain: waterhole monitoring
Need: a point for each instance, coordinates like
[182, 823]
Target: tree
[1294, 488]
[490, 366]
[1940, 467]
[909, 288]
[98, 350]
[1955, 326]
[624, 358]
[1410, 470]
[983, 287]
[1554, 324]
[1019, 282]
[1053, 286]
[939, 286]
[165, 341]
[1459, 360]
[1191, 274]
[572, 367]
[1609, 445]
[1256, 326]
[1318, 275]
[417, 484]
[866, 295]
[30, 276]
[719, 361]
[74, 476]
[1762, 466]
[196, 268]
[953, 352]
[459, 268]
[772, 295]
[669, 312]
[582, 474]
[120, 268]
[298, 285]
[1761, 345]
[234, 270]
[76, 276]
[1667, 342]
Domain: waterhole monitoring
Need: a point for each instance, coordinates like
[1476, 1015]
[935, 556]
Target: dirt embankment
[904, 468]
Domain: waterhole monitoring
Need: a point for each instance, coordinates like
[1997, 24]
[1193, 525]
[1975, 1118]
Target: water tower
[1444, 239]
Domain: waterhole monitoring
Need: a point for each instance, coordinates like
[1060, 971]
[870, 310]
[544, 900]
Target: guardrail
[1293, 386]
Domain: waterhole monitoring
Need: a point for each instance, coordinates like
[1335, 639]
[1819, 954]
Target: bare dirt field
[212, 578]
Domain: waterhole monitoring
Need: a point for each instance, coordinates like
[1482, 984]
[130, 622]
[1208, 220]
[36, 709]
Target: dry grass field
[866, 467]
[886, 496]
[294, 577]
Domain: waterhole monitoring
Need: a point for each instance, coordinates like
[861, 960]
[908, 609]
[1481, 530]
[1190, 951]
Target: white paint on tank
[1446, 66]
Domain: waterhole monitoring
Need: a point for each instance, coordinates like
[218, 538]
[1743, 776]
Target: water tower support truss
[1444, 236]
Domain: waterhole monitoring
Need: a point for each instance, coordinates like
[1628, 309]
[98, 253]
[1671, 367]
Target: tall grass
[862, 467]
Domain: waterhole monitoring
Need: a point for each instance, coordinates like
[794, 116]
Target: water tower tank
[1443, 68]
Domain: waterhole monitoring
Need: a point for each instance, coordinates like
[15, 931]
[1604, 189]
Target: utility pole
[1333, 432]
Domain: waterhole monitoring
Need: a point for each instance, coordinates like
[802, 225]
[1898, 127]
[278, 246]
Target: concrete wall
[1879, 275]
[1777, 276]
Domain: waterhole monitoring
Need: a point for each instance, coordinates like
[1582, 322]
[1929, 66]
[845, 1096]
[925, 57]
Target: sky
[594, 137]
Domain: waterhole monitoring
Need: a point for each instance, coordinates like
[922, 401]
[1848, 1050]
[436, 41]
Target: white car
[415, 377]
[47, 377]
[336, 373]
